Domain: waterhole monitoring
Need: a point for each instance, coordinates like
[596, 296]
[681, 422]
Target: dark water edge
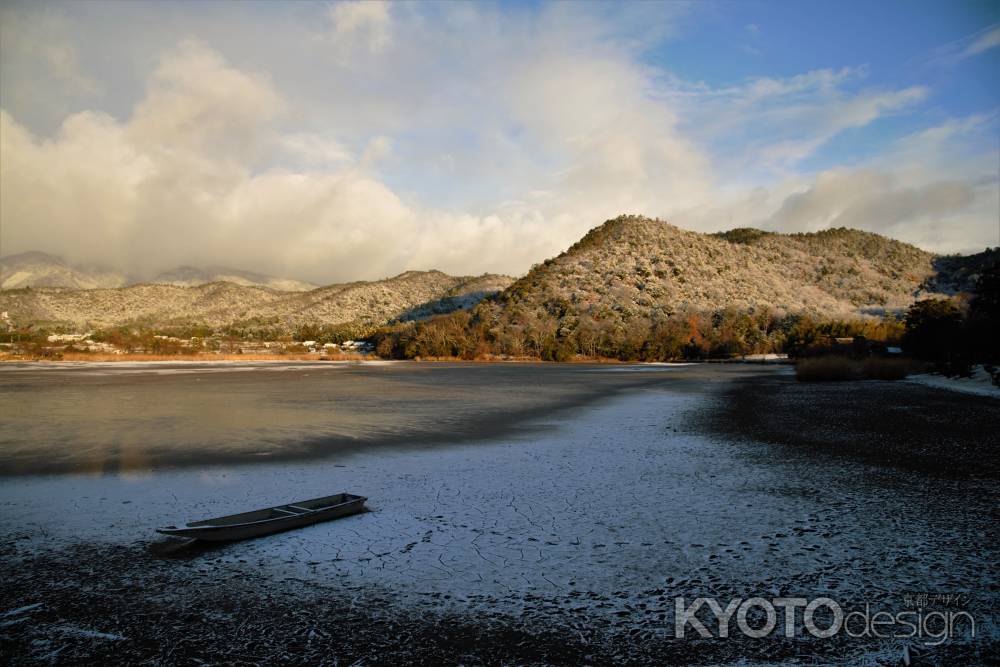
[898, 425]
[100, 420]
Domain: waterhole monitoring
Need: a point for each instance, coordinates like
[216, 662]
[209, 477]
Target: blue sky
[898, 43]
[341, 140]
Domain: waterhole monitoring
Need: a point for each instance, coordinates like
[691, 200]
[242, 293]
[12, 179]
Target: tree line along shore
[945, 335]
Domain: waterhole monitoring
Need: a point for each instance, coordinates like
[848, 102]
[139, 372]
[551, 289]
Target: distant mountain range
[39, 269]
[629, 272]
[187, 276]
[410, 295]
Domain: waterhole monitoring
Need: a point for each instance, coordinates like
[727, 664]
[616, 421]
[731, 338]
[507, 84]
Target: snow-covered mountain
[408, 296]
[189, 276]
[39, 269]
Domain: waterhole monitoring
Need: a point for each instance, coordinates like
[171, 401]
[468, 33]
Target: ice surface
[616, 509]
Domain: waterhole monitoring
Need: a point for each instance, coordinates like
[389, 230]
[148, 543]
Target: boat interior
[280, 512]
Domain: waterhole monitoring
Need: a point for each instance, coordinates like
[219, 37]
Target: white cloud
[778, 123]
[201, 172]
[196, 105]
[314, 149]
[360, 23]
[936, 188]
[867, 199]
[940, 214]
[969, 46]
[380, 138]
[983, 41]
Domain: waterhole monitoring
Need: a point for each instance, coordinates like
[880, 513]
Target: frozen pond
[602, 513]
[126, 417]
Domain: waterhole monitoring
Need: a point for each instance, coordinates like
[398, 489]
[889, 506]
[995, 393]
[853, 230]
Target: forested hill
[640, 267]
[636, 287]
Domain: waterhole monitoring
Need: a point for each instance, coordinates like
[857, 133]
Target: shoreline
[249, 358]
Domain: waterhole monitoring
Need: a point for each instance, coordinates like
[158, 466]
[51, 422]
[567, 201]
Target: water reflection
[107, 419]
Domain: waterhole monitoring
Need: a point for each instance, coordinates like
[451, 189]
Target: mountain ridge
[189, 276]
[650, 262]
[40, 269]
[221, 304]
[631, 272]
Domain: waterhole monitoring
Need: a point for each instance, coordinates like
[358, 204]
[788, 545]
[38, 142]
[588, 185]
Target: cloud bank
[376, 138]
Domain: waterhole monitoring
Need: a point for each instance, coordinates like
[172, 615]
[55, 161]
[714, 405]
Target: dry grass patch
[827, 369]
[888, 369]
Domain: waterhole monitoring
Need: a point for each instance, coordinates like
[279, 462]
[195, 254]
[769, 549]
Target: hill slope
[641, 267]
[224, 303]
[637, 288]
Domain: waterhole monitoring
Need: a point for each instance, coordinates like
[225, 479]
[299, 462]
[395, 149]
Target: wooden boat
[271, 520]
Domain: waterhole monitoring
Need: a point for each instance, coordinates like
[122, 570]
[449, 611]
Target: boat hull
[224, 529]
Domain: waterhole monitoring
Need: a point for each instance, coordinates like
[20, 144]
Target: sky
[356, 140]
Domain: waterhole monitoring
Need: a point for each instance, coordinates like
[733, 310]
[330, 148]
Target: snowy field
[980, 383]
